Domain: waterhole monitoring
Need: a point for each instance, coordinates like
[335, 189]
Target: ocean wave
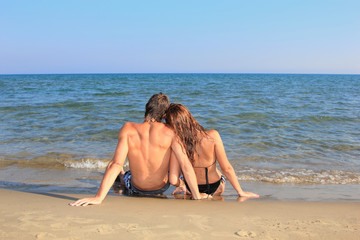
[89, 164]
[299, 176]
[58, 161]
[86, 164]
[112, 94]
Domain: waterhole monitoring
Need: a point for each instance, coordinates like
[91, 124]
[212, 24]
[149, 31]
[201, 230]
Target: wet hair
[188, 130]
[156, 107]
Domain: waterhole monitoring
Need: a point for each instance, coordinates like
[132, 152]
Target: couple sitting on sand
[158, 153]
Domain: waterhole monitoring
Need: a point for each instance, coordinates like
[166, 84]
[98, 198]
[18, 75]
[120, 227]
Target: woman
[203, 148]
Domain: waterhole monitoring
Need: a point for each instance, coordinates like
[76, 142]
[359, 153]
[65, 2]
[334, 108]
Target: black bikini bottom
[208, 188]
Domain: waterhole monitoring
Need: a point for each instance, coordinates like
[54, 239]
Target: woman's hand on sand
[205, 196]
[249, 195]
[86, 201]
[181, 189]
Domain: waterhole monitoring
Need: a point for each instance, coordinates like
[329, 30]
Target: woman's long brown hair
[188, 130]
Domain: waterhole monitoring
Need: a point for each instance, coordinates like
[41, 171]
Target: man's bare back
[149, 149]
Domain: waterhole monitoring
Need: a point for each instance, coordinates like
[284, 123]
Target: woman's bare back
[205, 157]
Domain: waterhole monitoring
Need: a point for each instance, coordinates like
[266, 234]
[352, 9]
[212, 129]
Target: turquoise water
[276, 128]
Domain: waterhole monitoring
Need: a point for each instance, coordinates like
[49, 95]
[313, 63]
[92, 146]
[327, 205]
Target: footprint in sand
[180, 235]
[222, 235]
[81, 220]
[68, 221]
[245, 234]
[199, 221]
[149, 232]
[33, 220]
[44, 235]
[316, 221]
[130, 227]
[104, 229]
[35, 216]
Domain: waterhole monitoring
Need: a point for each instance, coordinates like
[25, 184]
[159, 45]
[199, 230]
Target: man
[148, 147]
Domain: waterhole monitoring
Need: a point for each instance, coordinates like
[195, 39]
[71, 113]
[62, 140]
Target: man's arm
[186, 168]
[112, 171]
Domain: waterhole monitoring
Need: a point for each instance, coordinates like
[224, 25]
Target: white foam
[299, 176]
[89, 164]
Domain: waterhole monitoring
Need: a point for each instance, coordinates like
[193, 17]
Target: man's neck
[150, 120]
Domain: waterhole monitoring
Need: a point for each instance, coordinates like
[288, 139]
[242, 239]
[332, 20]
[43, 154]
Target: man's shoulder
[128, 127]
[129, 124]
[162, 127]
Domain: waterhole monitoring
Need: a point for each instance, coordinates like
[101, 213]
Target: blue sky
[298, 36]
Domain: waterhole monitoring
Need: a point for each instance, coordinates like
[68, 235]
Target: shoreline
[48, 216]
[79, 181]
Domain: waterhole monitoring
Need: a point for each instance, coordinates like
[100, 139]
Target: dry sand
[48, 216]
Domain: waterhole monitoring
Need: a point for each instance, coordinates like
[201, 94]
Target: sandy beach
[48, 216]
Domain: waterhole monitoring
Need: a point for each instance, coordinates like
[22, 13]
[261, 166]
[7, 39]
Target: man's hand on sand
[249, 195]
[86, 201]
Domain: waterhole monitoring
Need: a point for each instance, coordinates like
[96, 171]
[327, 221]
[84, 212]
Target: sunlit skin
[209, 150]
[148, 147]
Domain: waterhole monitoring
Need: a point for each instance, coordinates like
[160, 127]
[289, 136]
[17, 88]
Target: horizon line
[84, 73]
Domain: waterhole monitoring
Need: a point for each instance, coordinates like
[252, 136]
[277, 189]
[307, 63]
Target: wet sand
[48, 216]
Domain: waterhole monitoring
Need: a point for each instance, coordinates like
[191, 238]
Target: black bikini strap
[207, 180]
[207, 166]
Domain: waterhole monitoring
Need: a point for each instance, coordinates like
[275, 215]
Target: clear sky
[234, 36]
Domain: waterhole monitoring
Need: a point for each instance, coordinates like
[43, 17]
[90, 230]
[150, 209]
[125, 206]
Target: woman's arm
[174, 176]
[174, 170]
[187, 169]
[226, 167]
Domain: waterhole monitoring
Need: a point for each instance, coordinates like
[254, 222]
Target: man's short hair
[156, 107]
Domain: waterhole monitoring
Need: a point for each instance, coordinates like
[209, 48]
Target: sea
[289, 137]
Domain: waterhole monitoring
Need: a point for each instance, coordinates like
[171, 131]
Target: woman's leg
[220, 189]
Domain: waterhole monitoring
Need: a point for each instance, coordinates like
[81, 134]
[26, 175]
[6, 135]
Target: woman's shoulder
[213, 133]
